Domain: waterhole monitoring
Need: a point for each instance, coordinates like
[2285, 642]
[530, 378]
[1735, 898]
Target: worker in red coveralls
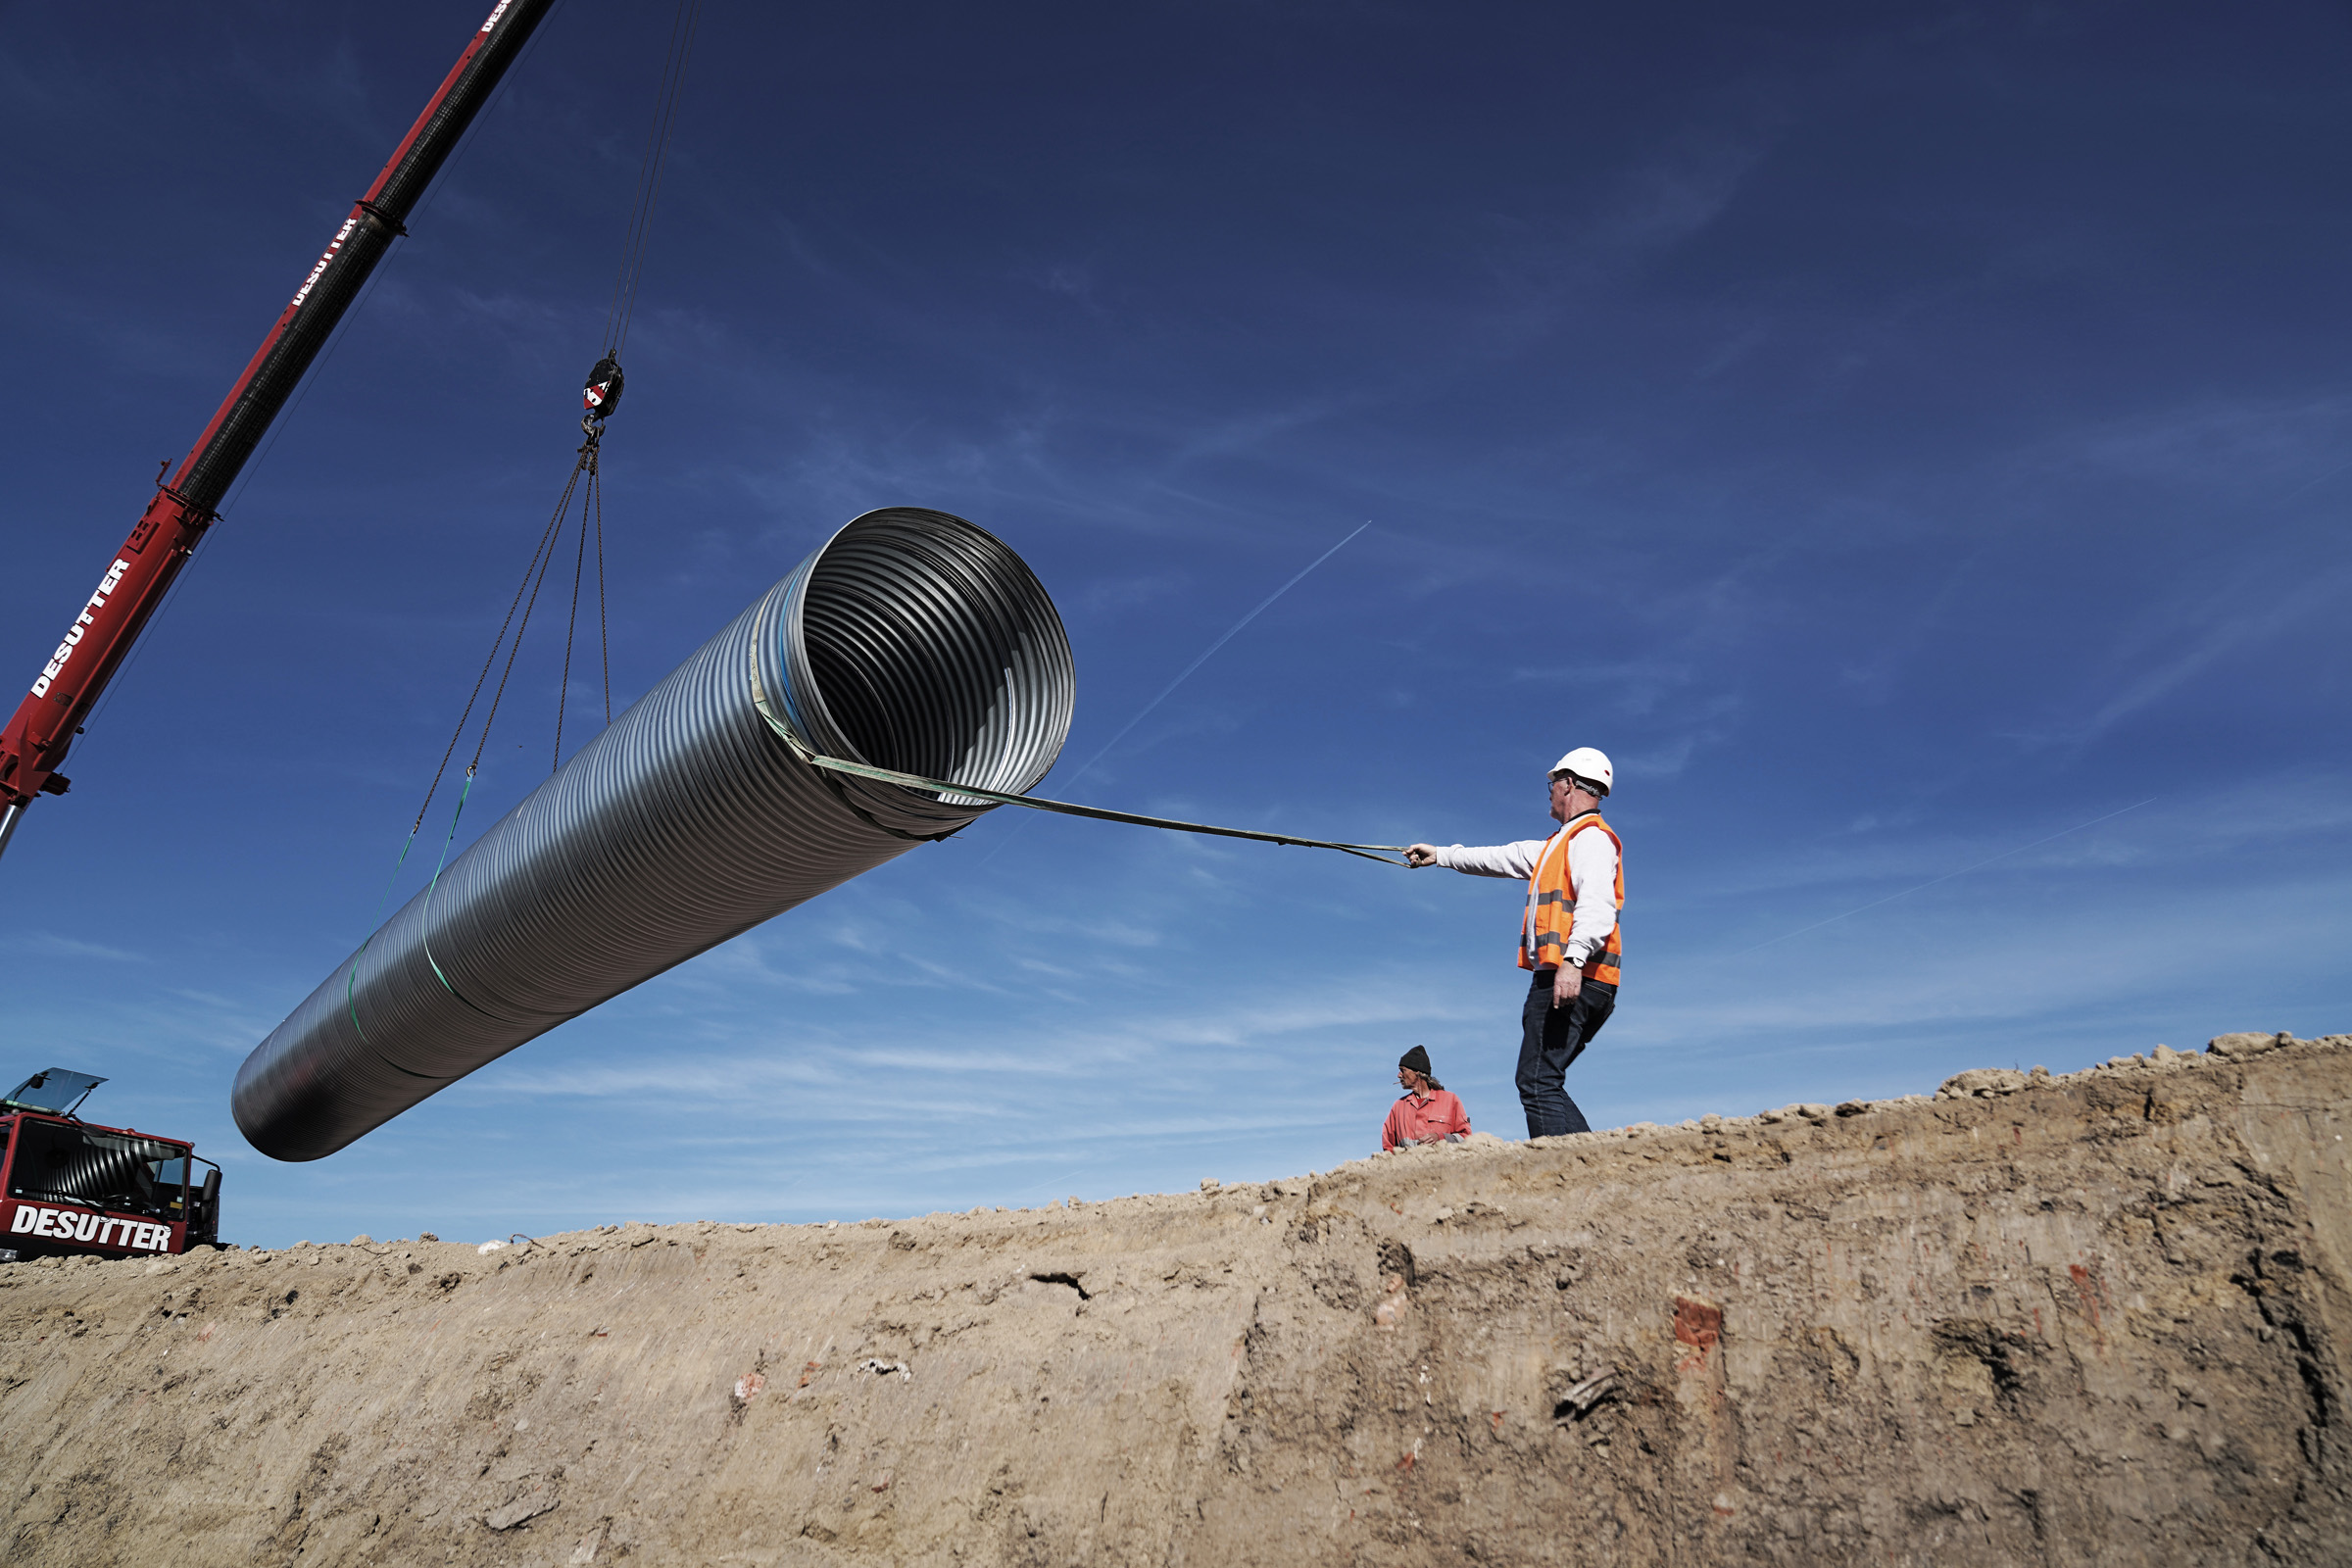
[1427, 1112]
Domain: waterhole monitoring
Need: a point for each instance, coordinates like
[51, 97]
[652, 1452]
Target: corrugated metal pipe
[912, 641]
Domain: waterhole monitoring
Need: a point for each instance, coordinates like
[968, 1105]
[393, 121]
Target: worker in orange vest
[1568, 936]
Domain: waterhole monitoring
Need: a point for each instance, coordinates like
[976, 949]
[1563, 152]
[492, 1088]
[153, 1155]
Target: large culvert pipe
[910, 640]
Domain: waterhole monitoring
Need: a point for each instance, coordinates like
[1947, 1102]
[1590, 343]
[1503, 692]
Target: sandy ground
[2094, 1319]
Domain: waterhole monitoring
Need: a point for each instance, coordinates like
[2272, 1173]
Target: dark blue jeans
[1551, 1038]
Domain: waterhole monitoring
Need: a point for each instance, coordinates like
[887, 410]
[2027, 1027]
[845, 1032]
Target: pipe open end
[919, 642]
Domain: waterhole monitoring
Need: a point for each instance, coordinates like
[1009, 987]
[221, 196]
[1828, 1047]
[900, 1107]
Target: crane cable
[648, 176]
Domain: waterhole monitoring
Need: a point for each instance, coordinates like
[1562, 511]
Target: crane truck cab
[68, 1186]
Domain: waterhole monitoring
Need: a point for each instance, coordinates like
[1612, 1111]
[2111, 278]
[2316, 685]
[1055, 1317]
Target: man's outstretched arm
[1492, 859]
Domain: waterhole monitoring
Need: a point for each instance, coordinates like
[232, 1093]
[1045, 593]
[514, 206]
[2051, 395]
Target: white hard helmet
[1588, 765]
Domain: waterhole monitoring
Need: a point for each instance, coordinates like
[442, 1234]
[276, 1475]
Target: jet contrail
[1172, 686]
[1186, 674]
[1946, 877]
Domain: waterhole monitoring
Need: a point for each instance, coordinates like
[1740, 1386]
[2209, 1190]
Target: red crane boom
[35, 744]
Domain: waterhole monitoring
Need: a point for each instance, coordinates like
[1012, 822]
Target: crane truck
[68, 1186]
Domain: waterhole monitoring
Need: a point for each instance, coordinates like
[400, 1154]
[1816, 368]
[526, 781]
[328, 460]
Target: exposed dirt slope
[2094, 1319]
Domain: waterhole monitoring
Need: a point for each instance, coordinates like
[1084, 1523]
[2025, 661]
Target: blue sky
[1899, 438]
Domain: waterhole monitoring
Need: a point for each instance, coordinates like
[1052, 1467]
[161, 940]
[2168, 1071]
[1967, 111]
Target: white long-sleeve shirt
[1591, 870]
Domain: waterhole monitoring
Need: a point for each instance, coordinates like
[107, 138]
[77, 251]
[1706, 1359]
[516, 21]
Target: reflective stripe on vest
[1551, 906]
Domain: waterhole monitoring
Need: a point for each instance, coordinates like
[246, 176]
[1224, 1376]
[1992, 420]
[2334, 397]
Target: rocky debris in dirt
[2241, 1046]
[1981, 1082]
[1576, 1401]
[529, 1503]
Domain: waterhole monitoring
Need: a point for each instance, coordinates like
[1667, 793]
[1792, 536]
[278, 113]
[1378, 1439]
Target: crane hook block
[602, 395]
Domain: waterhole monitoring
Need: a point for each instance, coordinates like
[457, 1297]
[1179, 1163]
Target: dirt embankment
[2097, 1319]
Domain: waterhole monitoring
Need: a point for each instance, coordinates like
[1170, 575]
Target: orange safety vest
[1551, 906]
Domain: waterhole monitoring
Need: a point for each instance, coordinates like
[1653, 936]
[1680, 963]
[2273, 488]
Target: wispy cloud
[1991, 860]
[65, 947]
[2253, 450]
[2195, 635]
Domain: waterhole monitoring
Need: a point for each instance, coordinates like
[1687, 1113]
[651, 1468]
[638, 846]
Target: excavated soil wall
[2092, 1319]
